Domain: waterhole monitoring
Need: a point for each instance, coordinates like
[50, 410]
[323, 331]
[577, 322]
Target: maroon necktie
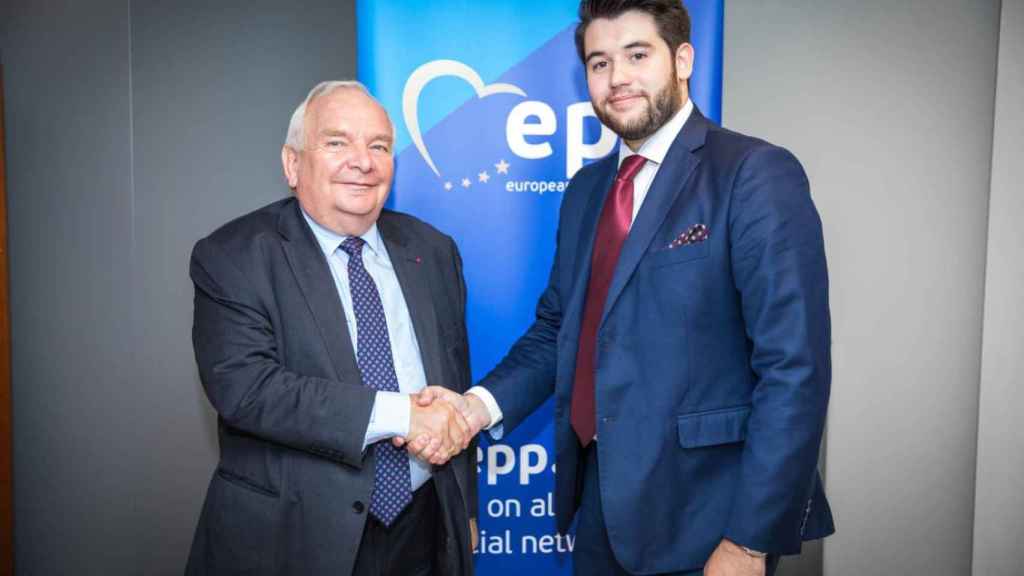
[612, 229]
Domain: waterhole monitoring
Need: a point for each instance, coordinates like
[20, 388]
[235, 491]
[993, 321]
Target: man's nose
[359, 158]
[619, 75]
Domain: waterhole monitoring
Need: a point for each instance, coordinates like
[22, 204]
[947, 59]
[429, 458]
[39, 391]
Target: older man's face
[343, 175]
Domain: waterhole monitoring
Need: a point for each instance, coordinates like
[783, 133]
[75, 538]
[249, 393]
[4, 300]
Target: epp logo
[529, 118]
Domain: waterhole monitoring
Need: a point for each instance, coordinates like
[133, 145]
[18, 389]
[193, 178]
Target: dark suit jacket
[292, 489]
[712, 358]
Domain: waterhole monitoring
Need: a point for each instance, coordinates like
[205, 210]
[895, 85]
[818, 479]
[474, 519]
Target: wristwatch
[754, 553]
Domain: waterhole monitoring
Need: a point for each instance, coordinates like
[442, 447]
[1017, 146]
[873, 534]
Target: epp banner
[492, 119]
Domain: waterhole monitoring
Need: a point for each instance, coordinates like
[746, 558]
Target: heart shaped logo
[438, 69]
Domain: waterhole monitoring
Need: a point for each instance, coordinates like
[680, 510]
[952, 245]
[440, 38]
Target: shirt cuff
[492, 405]
[389, 417]
[494, 428]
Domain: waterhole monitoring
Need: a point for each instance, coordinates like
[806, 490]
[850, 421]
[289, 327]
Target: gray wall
[890, 107]
[999, 506]
[75, 391]
[133, 128]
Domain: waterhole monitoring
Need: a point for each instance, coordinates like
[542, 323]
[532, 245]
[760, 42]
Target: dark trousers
[406, 548]
[592, 553]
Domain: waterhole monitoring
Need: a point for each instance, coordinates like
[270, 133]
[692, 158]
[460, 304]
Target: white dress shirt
[391, 410]
[654, 149]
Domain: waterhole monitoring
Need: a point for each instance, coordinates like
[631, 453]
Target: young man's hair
[670, 16]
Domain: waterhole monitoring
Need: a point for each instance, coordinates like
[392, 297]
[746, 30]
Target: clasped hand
[442, 424]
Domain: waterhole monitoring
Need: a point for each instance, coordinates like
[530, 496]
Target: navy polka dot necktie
[392, 488]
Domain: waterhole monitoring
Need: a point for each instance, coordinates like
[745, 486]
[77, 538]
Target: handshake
[442, 423]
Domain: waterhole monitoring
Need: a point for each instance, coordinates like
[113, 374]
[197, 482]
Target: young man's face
[636, 83]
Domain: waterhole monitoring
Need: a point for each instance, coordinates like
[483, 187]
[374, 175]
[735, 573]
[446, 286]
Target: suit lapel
[313, 275]
[672, 176]
[411, 270]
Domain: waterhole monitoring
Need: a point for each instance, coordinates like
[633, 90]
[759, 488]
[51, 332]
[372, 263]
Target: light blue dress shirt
[391, 410]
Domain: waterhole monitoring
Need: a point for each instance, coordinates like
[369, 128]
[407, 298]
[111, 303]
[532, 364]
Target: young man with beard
[684, 332]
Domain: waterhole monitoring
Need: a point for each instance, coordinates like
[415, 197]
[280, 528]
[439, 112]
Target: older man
[317, 320]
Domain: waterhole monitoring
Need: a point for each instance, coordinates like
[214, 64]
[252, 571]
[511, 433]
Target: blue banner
[492, 119]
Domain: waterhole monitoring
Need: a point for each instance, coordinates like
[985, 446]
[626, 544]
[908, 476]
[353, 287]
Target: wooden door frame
[6, 483]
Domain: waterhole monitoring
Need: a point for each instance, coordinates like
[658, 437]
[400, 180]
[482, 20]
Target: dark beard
[666, 104]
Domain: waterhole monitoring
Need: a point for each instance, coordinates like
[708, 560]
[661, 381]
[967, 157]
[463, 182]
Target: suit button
[358, 507]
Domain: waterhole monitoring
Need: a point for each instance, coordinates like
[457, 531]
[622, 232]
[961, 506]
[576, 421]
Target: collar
[656, 147]
[330, 240]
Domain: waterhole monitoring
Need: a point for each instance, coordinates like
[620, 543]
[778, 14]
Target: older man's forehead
[342, 101]
[342, 132]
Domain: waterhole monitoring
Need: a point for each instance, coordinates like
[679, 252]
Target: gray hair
[296, 137]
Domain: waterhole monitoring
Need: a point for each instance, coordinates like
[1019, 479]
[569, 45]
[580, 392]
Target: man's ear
[290, 163]
[684, 61]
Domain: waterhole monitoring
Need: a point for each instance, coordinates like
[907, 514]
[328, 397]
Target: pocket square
[693, 234]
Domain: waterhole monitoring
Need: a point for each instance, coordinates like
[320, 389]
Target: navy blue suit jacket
[713, 358]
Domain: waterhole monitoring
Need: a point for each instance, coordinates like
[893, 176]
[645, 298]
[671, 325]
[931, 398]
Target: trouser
[406, 548]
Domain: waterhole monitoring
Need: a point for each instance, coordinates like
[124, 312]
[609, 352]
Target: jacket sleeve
[241, 368]
[778, 260]
[525, 377]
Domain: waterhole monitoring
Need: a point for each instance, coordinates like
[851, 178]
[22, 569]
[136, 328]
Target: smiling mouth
[624, 100]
